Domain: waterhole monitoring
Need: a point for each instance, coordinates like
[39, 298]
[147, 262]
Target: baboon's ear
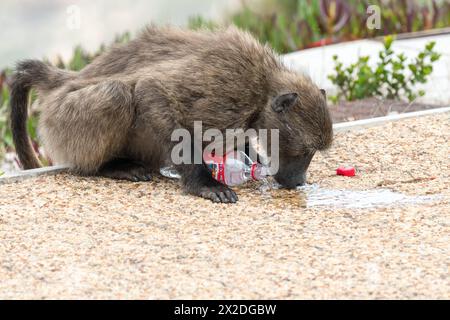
[284, 101]
[324, 93]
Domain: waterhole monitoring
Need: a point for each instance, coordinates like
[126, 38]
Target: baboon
[115, 117]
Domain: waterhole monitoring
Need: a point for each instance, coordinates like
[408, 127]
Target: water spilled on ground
[313, 195]
[323, 197]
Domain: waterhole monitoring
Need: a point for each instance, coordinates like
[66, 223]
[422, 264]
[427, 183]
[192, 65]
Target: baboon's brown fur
[128, 101]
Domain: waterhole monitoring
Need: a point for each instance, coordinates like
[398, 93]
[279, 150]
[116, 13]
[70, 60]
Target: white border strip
[338, 127]
[360, 124]
[25, 174]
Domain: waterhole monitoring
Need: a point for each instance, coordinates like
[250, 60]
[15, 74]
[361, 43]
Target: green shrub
[391, 78]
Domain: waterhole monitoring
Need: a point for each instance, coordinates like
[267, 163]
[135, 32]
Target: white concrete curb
[25, 174]
[360, 124]
[338, 127]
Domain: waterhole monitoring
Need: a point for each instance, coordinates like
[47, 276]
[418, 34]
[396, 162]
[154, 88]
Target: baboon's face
[305, 127]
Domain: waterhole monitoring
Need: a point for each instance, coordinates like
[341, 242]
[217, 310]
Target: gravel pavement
[64, 236]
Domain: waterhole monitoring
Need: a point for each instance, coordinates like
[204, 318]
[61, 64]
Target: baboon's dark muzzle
[292, 171]
[291, 181]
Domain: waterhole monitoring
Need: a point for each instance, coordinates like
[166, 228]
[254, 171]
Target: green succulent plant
[391, 78]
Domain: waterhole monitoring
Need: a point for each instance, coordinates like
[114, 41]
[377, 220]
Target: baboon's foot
[124, 169]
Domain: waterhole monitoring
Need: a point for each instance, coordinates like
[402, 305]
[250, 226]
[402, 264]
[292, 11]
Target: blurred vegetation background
[287, 25]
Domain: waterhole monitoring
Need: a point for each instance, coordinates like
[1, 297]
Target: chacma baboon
[115, 117]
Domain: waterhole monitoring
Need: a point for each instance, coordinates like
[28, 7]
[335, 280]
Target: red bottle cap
[345, 171]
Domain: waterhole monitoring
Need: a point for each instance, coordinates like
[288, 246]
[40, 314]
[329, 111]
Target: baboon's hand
[197, 180]
[218, 194]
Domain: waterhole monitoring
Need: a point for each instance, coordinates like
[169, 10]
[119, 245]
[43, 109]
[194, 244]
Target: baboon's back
[157, 45]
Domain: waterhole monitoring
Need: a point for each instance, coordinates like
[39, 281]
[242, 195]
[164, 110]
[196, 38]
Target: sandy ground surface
[69, 237]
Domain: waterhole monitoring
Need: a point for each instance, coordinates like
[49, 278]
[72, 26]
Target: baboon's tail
[29, 73]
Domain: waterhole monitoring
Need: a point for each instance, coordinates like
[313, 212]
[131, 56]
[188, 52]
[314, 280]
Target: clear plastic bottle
[232, 169]
[235, 168]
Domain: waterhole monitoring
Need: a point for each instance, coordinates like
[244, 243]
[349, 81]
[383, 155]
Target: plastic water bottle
[235, 168]
[232, 169]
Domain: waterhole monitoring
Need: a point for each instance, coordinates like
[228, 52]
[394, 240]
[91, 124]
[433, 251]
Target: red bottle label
[217, 171]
